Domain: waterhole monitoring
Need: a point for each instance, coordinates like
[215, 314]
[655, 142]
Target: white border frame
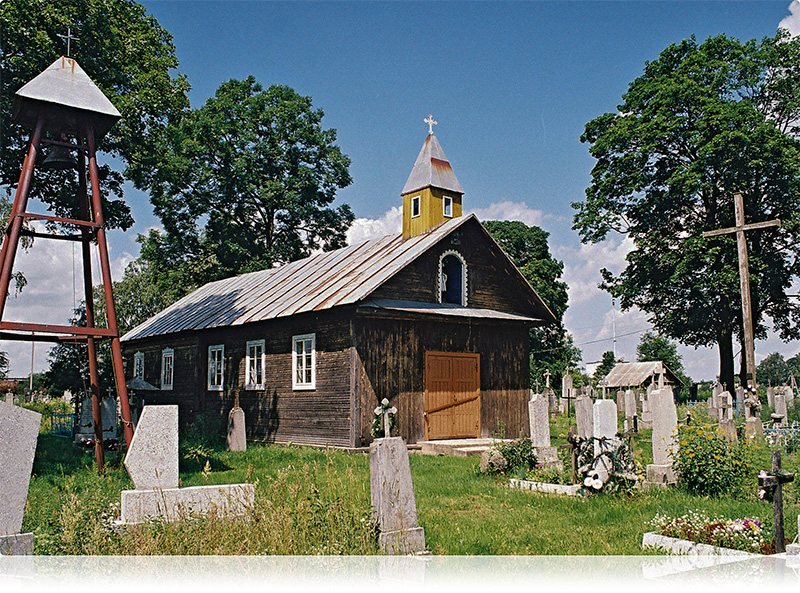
[215, 348]
[445, 200]
[167, 352]
[248, 384]
[464, 294]
[304, 386]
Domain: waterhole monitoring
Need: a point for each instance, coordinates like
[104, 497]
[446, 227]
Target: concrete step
[457, 447]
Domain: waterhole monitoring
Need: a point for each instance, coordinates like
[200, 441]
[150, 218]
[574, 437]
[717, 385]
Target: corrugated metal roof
[325, 280]
[633, 374]
[432, 169]
[445, 309]
[64, 84]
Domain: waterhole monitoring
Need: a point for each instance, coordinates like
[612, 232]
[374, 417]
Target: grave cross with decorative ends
[771, 487]
[384, 414]
[431, 122]
[547, 378]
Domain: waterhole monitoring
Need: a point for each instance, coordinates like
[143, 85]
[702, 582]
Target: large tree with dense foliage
[247, 182]
[551, 346]
[704, 121]
[132, 60]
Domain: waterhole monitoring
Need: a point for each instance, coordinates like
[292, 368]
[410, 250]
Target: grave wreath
[382, 413]
[612, 470]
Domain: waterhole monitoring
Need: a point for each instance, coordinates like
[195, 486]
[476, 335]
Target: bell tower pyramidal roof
[432, 169]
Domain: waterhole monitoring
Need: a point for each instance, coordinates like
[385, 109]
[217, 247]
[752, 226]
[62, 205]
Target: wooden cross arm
[768, 481]
[747, 227]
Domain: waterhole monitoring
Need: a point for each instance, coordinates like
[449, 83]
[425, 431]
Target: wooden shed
[435, 319]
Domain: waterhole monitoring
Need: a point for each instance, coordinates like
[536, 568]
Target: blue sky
[511, 84]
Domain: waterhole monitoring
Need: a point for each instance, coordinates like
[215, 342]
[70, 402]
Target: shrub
[708, 465]
[519, 454]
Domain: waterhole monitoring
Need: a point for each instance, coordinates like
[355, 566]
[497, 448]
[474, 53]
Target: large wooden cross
[744, 279]
[68, 38]
[775, 481]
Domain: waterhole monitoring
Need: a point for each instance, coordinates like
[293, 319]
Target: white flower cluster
[593, 480]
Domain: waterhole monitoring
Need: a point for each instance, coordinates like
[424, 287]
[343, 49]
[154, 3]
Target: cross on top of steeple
[69, 38]
[431, 122]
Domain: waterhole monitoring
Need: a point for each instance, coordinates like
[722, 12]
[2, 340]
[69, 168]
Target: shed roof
[342, 277]
[432, 169]
[62, 85]
[633, 374]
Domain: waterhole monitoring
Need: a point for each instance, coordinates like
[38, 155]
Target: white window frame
[249, 379]
[215, 373]
[138, 365]
[418, 201]
[301, 385]
[167, 368]
[464, 294]
[447, 201]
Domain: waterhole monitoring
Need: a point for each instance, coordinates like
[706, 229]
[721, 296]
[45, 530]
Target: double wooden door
[452, 395]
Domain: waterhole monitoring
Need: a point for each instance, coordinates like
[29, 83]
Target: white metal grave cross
[744, 278]
[69, 38]
[431, 122]
[547, 378]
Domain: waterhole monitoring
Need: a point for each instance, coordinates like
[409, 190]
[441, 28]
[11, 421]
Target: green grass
[312, 501]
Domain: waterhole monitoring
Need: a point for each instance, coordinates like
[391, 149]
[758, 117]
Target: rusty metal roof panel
[64, 84]
[325, 280]
[432, 169]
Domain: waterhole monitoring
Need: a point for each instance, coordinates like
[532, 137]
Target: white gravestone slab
[583, 417]
[780, 405]
[566, 391]
[665, 424]
[604, 430]
[620, 402]
[630, 410]
[539, 420]
[739, 401]
[771, 397]
[19, 429]
[173, 504]
[392, 496]
[152, 459]
[237, 439]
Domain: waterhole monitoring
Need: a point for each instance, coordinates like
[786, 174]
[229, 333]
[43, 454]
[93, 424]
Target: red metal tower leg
[94, 376]
[105, 268]
[9, 249]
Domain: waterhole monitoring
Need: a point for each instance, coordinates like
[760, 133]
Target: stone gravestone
[237, 438]
[566, 392]
[604, 431]
[726, 421]
[646, 421]
[620, 402]
[780, 406]
[771, 397]
[631, 416]
[392, 495]
[108, 416]
[740, 401]
[583, 417]
[665, 425]
[152, 462]
[539, 419]
[19, 429]
[752, 415]
[10, 397]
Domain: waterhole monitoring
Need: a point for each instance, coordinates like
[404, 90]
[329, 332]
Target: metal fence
[786, 438]
[61, 425]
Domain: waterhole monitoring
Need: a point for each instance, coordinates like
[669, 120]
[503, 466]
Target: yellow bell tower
[432, 193]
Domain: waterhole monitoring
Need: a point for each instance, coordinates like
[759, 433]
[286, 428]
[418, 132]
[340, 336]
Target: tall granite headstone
[392, 494]
[237, 438]
[583, 417]
[771, 397]
[566, 391]
[604, 430]
[780, 406]
[630, 410]
[665, 425]
[19, 430]
[539, 420]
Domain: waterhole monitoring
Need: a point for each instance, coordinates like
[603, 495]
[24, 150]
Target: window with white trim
[254, 365]
[167, 367]
[216, 367]
[447, 207]
[453, 279]
[304, 354]
[415, 206]
[138, 366]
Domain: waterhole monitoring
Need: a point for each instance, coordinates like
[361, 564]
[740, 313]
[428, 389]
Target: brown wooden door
[452, 395]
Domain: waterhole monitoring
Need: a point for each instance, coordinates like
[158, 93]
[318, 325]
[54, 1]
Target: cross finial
[547, 378]
[431, 122]
[69, 38]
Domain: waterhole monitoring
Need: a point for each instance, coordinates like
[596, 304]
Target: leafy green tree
[607, 362]
[247, 182]
[655, 347]
[128, 55]
[551, 346]
[703, 122]
[773, 370]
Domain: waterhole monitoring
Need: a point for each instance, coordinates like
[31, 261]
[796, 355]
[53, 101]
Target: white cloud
[792, 22]
[508, 210]
[364, 229]
[582, 266]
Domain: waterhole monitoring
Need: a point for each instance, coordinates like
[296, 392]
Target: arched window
[452, 279]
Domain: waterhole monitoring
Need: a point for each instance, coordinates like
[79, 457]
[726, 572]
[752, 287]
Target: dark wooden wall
[277, 413]
[492, 281]
[390, 362]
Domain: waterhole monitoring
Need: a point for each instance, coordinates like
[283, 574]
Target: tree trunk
[725, 345]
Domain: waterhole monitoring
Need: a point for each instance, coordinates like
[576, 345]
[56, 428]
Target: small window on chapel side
[447, 206]
[415, 206]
